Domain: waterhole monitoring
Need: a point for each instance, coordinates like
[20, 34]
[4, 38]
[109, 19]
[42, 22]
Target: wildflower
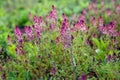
[66, 39]
[87, 41]
[94, 22]
[40, 19]
[65, 32]
[53, 13]
[39, 56]
[116, 33]
[29, 32]
[108, 12]
[52, 18]
[64, 24]
[41, 23]
[65, 18]
[111, 27]
[115, 40]
[18, 34]
[109, 57]
[83, 77]
[18, 50]
[53, 71]
[82, 26]
[81, 17]
[100, 21]
[36, 19]
[104, 29]
[38, 30]
[52, 25]
[57, 40]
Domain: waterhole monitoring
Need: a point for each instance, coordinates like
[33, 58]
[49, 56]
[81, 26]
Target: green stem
[73, 64]
[72, 60]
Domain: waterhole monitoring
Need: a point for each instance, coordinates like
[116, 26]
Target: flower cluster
[65, 32]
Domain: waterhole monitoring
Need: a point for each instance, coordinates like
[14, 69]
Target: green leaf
[97, 42]
[12, 75]
[28, 75]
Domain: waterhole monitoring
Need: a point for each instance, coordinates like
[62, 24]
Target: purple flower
[64, 17]
[88, 41]
[65, 32]
[29, 32]
[52, 26]
[36, 19]
[64, 24]
[111, 27]
[104, 30]
[109, 57]
[81, 17]
[57, 40]
[18, 34]
[18, 51]
[108, 12]
[41, 19]
[51, 18]
[41, 23]
[83, 77]
[39, 56]
[38, 30]
[100, 21]
[53, 71]
[94, 22]
[53, 13]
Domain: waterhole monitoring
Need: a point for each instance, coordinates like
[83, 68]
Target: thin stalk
[73, 64]
[72, 59]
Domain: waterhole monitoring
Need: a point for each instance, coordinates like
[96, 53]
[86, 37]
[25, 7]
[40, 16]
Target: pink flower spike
[64, 17]
[18, 31]
[100, 21]
[94, 22]
[29, 32]
[36, 20]
[57, 40]
[18, 34]
[53, 71]
[40, 19]
[53, 13]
